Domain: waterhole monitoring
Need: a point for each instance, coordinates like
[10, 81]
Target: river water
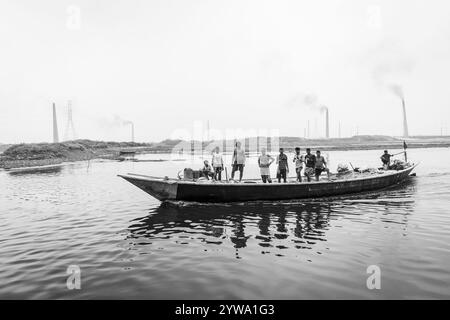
[129, 245]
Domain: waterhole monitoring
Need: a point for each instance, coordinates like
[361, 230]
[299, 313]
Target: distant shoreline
[46, 154]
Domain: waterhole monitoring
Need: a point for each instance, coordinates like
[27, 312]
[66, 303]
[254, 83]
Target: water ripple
[128, 245]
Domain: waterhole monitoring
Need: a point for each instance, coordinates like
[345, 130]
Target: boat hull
[238, 192]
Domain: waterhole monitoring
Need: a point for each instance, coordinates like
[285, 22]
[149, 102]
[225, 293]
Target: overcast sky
[166, 65]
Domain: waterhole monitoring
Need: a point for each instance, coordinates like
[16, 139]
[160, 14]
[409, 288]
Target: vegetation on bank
[38, 154]
[3, 147]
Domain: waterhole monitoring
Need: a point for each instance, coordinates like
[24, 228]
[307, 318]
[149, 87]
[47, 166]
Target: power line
[70, 128]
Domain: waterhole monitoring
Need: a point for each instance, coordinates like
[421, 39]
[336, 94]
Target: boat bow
[160, 188]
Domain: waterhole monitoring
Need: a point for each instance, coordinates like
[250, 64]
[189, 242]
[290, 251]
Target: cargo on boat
[252, 190]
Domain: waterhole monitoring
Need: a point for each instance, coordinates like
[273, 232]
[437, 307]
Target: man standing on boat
[310, 164]
[320, 166]
[386, 159]
[238, 161]
[217, 163]
[283, 167]
[298, 160]
[264, 162]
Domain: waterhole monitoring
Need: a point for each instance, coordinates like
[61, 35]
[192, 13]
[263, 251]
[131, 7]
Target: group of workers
[313, 165]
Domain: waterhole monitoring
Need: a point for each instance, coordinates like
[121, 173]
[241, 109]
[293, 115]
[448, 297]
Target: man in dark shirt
[283, 168]
[207, 170]
[386, 159]
[321, 165]
[310, 163]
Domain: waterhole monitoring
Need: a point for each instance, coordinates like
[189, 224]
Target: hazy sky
[239, 64]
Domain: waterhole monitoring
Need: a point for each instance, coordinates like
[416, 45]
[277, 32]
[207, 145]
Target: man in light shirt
[264, 162]
[217, 163]
[238, 161]
[298, 160]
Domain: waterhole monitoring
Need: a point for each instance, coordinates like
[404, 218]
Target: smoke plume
[397, 90]
[306, 100]
[112, 122]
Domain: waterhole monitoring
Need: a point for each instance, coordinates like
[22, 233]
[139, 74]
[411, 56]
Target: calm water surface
[129, 245]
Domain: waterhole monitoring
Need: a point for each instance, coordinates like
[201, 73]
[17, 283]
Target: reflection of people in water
[239, 239]
[264, 225]
[170, 218]
[312, 220]
[297, 226]
[281, 226]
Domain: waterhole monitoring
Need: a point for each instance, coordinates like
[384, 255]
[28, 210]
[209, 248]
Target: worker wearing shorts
[320, 165]
[264, 162]
[310, 163]
[298, 160]
[238, 161]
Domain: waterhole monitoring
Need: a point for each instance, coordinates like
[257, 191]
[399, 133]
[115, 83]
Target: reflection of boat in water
[251, 190]
[271, 226]
[219, 224]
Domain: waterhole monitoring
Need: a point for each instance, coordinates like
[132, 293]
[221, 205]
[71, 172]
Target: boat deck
[290, 180]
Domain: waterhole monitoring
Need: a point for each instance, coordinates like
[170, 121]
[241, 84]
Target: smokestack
[131, 123]
[405, 121]
[327, 123]
[339, 133]
[55, 125]
[132, 132]
[316, 131]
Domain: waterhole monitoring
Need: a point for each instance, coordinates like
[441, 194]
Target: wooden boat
[35, 168]
[251, 190]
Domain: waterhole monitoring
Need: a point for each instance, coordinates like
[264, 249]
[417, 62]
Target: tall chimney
[339, 133]
[55, 125]
[327, 124]
[132, 132]
[405, 121]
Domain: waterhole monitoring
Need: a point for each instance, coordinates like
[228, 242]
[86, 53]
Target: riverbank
[363, 142]
[44, 154]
